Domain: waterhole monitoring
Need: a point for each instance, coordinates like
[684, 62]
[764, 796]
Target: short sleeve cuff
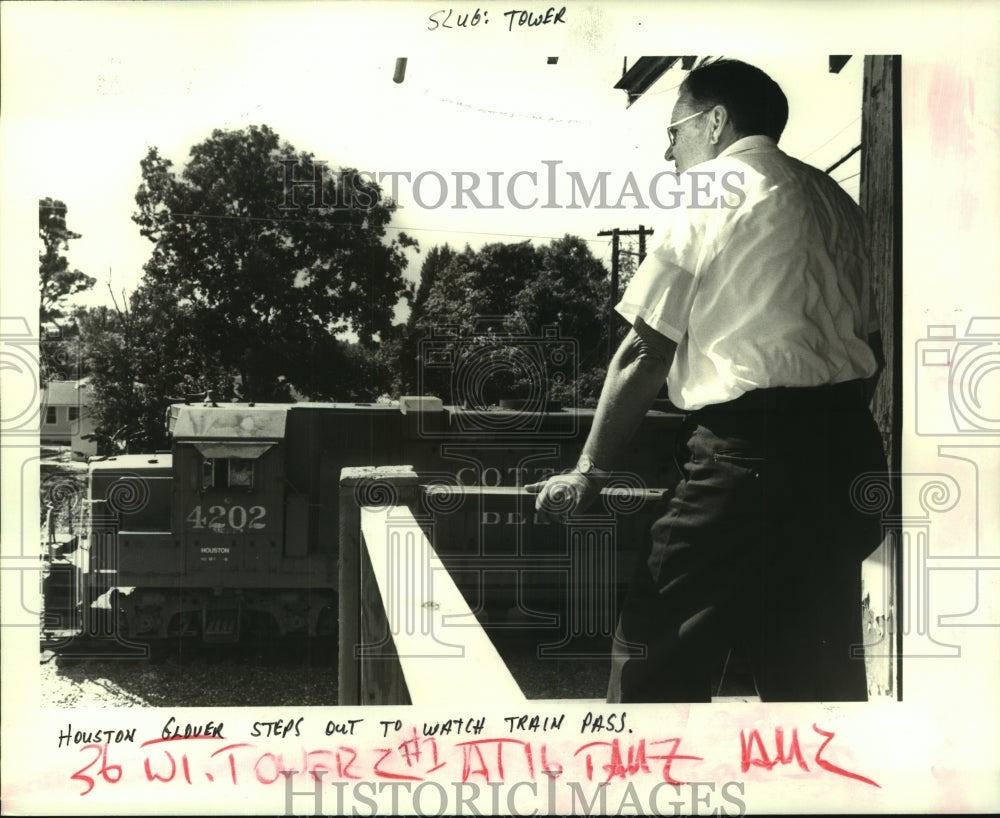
[630, 312]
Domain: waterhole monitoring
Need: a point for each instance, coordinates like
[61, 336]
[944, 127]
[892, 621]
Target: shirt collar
[750, 143]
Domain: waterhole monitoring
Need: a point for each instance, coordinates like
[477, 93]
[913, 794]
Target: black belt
[846, 395]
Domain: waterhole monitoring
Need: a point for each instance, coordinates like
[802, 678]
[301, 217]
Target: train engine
[236, 531]
[197, 543]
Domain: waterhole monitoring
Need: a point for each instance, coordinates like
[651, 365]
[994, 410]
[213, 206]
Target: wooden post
[359, 486]
[881, 197]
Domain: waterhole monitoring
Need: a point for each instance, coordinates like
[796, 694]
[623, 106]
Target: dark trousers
[760, 545]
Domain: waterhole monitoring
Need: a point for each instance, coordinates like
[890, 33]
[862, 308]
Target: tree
[56, 281]
[272, 256]
[497, 303]
[404, 341]
[628, 261]
[143, 354]
[569, 291]
[436, 261]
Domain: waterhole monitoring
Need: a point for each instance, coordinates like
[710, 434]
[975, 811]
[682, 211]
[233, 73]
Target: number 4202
[234, 518]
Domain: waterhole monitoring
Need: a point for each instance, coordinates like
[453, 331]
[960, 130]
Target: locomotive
[236, 529]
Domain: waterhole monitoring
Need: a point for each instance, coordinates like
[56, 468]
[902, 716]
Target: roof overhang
[644, 72]
[242, 449]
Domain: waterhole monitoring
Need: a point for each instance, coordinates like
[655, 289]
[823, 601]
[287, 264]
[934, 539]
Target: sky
[117, 79]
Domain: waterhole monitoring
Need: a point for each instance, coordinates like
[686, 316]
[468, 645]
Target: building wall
[65, 416]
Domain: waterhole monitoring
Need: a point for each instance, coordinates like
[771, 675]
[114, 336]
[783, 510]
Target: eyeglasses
[672, 127]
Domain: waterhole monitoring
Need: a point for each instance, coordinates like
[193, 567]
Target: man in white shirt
[756, 311]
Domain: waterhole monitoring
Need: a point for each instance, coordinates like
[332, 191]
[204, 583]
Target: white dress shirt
[761, 279]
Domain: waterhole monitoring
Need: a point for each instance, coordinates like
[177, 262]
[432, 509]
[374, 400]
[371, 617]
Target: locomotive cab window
[230, 465]
[241, 472]
[227, 472]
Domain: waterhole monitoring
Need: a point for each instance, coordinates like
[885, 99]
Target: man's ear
[719, 117]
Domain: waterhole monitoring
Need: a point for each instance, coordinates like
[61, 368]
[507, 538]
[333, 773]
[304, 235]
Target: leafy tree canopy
[56, 281]
[506, 296]
[142, 355]
[274, 255]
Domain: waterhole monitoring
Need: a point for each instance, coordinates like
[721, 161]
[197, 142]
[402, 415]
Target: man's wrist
[589, 469]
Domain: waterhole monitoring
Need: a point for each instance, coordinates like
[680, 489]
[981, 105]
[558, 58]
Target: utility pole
[613, 298]
[616, 234]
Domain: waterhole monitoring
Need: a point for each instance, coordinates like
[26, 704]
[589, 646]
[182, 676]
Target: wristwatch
[587, 467]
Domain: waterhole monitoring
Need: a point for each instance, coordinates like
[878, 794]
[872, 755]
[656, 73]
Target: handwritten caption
[461, 749]
[513, 19]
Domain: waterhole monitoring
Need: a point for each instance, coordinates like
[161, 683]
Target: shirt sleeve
[662, 290]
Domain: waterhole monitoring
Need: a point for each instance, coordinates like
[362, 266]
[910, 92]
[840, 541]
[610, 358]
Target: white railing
[407, 634]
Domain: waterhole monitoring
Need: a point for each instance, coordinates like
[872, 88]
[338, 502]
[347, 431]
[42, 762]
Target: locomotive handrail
[641, 494]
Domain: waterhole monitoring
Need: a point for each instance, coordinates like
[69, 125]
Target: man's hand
[563, 495]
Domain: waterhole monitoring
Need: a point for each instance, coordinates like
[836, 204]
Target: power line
[282, 220]
[484, 233]
[664, 91]
[276, 219]
[828, 141]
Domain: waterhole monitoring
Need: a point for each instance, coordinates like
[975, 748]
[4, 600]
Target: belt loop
[682, 451]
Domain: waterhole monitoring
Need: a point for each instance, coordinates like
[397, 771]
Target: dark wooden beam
[881, 196]
[842, 159]
[838, 61]
[635, 81]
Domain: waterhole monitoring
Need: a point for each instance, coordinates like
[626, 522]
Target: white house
[66, 417]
